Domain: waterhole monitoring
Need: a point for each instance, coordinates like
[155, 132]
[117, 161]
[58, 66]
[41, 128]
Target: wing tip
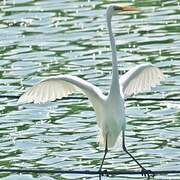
[23, 100]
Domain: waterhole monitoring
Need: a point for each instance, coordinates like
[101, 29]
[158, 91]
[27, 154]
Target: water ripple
[44, 38]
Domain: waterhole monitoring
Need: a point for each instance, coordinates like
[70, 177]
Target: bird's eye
[117, 8]
[126, 8]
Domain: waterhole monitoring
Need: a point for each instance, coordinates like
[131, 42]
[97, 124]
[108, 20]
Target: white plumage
[110, 113]
[140, 79]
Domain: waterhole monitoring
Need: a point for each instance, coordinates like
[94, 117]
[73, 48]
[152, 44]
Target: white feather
[140, 79]
[110, 111]
[58, 87]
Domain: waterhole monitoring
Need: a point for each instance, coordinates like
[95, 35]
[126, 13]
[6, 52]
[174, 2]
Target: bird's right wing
[58, 87]
[140, 79]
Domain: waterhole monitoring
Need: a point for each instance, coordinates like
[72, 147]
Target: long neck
[115, 76]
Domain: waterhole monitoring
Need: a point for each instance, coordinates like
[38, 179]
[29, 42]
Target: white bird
[110, 110]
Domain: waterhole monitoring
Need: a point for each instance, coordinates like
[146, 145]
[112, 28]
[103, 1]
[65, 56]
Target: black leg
[105, 152]
[143, 170]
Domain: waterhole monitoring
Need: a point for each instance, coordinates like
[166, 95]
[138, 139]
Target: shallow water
[50, 37]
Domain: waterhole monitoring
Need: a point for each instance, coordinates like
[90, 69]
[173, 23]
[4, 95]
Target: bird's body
[113, 120]
[110, 113]
[110, 110]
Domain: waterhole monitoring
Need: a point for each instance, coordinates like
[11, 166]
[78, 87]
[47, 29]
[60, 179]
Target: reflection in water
[43, 38]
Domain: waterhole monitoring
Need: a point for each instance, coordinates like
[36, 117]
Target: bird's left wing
[58, 87]
[140, 79]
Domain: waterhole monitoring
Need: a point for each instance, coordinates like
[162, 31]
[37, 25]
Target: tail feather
[112, 139]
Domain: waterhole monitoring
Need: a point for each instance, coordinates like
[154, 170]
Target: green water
[40, 38]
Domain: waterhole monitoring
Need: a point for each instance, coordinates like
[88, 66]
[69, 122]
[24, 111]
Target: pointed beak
[126, 8]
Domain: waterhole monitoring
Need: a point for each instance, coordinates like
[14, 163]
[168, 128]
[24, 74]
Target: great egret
[110, 111]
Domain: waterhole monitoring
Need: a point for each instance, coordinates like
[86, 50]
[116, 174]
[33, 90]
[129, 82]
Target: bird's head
[113, 9]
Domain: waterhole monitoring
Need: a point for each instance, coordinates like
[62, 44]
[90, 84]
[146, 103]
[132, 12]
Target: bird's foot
[147, 173]
[104, 173]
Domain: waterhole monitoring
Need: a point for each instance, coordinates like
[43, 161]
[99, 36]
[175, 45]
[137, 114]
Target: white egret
[110, 110]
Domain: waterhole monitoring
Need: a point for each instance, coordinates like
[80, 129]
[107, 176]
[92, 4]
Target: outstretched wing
[58, 87]
[140, 79]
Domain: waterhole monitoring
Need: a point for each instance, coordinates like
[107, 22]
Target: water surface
[51, 37]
